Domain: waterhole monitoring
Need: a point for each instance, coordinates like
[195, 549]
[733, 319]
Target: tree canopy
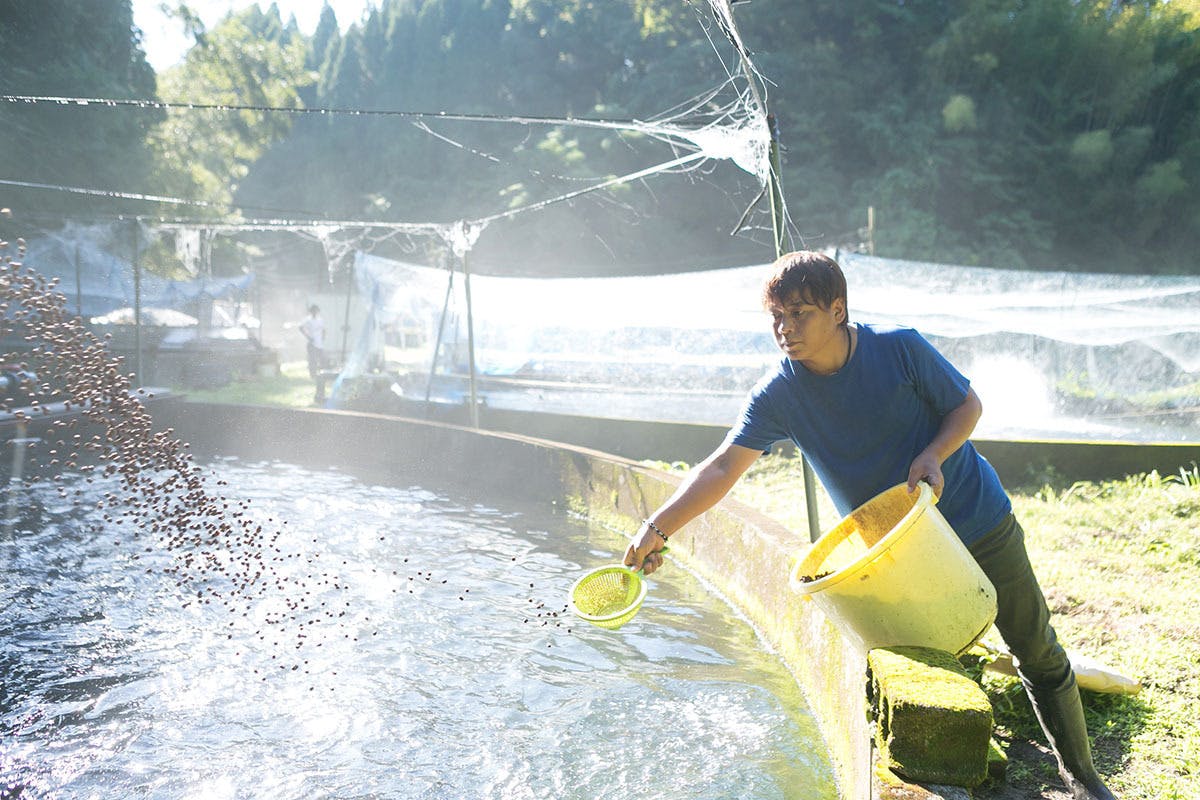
[60, 47]
[1011, 133]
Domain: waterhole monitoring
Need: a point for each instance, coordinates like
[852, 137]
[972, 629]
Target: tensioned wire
[410, 227]
[105, 193]
[735, 143]
[355, 112]
[705, 137]
[739, 133]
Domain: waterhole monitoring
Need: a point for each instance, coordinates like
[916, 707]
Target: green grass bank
[1119, 562]
[291, 387]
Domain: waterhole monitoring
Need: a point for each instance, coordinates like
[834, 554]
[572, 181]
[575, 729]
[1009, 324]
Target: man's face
[805, 331]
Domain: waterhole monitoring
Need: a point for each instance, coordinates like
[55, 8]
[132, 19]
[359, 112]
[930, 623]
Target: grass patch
[291, 387]
[1078, 387]
[1119, 562]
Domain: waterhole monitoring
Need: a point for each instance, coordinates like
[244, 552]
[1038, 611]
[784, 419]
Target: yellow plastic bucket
[894, 573]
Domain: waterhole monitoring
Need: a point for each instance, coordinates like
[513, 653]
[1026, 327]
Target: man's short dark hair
[814, 276]
[314, 309]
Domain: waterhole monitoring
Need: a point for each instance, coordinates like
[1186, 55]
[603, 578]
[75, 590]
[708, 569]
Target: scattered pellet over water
[101, 427]
[455, 672]
[267, 631]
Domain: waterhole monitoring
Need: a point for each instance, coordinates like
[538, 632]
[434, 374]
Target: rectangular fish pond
[338, 633]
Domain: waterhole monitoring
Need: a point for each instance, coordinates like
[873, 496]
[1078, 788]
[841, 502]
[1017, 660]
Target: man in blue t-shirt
[873, 406]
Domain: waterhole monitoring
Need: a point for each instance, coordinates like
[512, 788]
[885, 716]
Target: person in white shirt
[313, 328]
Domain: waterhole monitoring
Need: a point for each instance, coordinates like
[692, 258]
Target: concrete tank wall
[1019, 462]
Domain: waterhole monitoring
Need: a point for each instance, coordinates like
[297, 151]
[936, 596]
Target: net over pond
[1053, 355]
[449, 668]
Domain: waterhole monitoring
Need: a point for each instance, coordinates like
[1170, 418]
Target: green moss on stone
[576, 504]
[934, 723]
[997, 760]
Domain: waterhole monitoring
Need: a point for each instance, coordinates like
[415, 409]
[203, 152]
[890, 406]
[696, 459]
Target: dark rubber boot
[1061, 714]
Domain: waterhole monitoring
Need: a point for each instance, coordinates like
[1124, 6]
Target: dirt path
[1027, 763]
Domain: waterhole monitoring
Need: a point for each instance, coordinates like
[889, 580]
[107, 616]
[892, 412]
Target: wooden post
[871, 230]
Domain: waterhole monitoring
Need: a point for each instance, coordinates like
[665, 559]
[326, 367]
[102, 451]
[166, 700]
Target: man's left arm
[953, 433]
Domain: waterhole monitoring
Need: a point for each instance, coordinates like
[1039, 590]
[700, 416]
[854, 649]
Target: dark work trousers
[316, 357]
[1022, 616]
[316, 362]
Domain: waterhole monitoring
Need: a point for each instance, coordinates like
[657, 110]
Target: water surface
[449, 670]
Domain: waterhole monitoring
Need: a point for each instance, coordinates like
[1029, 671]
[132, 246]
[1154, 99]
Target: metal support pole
[777, 222]
[137, 304]
[346, 315]
[204, 302]
[78, 284]
[437, 344]
[14, 495]
[470, 344]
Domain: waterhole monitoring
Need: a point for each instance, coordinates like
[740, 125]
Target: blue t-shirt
[862, 426]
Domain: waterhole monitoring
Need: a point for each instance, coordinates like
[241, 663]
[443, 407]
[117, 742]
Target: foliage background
[1007, 133]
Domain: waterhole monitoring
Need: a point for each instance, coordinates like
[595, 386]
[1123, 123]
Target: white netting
[1071, 307]
[687, 347]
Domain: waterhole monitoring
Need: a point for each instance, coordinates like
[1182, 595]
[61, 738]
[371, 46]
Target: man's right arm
[703, 488]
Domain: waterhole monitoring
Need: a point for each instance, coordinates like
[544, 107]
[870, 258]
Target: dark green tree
[1011, 133]
[1086, 117]
[64, 48]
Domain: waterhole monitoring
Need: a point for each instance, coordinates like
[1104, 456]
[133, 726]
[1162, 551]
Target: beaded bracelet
[655, 528]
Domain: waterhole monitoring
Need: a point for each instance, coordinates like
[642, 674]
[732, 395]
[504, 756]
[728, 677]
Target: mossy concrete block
[933, 723]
